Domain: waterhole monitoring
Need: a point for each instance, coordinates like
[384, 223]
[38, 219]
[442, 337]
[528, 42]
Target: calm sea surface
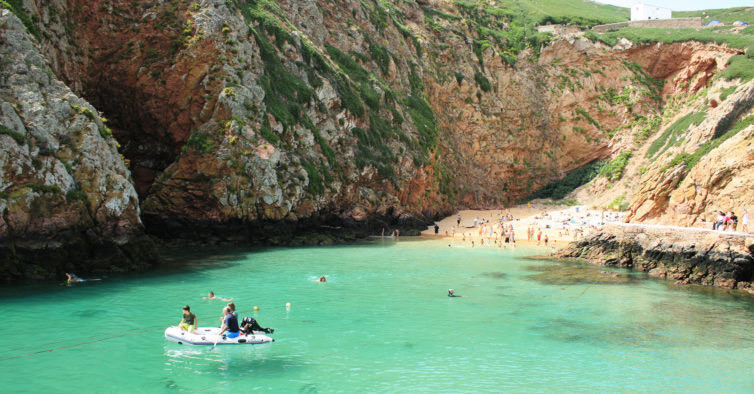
[382, 322]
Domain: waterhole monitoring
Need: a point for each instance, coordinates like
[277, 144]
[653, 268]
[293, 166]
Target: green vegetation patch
[16, 7]
[725, 92]
[580, 176]
[316, 185]
[200, 142]
[586, 116]
[619, 204]
[76, 195]
[424, 119]
[676, 129]
[44, 188]
[725, 15]
[740, 66]
[482, 81]
[690, 159]
[18, 137]
[613, 170]
[285, 93]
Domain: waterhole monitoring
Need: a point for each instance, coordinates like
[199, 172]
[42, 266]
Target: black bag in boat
[249, 324]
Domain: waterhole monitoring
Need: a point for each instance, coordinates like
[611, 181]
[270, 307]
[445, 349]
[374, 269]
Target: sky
[683, 5]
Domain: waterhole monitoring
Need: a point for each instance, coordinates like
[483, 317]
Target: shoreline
[560, 224]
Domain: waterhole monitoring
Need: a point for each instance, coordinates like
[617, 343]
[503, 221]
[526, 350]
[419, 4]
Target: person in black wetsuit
[437, 229]
[230, 324]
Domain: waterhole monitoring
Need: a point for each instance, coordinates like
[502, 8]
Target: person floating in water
[212, 296]
[188, 321]
[72, 278]
[452, 293]
[322, 279]
[230, 324]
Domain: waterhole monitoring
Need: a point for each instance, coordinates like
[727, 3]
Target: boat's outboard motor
[250, 324]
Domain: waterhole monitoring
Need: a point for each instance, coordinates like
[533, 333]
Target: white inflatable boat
[210, 336]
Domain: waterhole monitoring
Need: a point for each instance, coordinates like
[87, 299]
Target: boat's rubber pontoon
[210, 336]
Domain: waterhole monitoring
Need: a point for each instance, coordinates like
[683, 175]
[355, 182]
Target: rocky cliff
[66, 197]
[258, 120]
[686, 256]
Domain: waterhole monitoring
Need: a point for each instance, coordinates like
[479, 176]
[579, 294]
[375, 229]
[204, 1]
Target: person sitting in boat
[212, 296]
[230, 324]
[250, 324]
[189, 320]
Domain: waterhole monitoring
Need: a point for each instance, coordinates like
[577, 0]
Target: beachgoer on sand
[745, 222]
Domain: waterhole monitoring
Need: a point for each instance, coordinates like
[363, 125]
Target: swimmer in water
[322, 279]
[72, 278]
[212, 296]
[452, 293]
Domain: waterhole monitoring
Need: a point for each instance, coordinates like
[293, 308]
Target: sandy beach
[559, 224]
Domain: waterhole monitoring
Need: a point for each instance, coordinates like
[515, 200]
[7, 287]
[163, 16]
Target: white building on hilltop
[643, 12]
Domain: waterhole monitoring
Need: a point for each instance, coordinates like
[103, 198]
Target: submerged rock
[573, 274]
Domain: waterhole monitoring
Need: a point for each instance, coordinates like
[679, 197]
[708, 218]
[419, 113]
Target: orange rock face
[226, 117]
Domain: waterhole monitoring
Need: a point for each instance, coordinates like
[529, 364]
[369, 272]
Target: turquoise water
[382, 322]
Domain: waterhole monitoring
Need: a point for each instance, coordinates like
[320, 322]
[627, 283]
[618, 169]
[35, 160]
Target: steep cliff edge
[259, 121]
[66, 198]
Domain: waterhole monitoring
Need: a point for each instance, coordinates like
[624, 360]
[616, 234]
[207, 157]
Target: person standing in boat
[189, 320]
[230, 324]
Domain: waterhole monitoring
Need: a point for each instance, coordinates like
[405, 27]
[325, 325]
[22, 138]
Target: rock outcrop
[686, 256]
[66, 197]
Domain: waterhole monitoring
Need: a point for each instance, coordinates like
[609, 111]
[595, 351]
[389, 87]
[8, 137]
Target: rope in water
[281, 368]
[79, 344]
[58, 341]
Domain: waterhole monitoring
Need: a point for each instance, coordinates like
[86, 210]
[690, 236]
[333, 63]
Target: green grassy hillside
[726, 15]
[581, 12]
[741, 66]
